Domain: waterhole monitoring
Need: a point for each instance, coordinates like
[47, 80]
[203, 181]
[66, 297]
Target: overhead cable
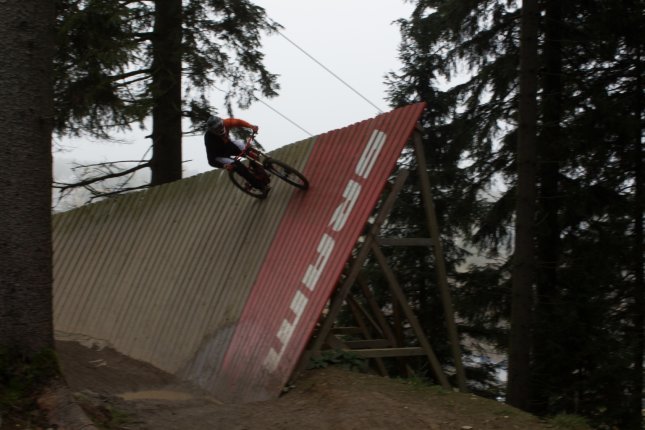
[274, 110]
[283, 116]
[329, 71]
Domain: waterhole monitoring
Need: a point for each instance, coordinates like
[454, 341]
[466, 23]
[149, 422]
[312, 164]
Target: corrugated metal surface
[212, 285]
[163, 275]
[347, 169]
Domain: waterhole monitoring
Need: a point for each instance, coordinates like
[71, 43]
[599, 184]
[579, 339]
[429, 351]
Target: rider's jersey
[223, 146]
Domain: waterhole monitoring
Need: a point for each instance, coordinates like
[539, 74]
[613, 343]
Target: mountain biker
[221, 148]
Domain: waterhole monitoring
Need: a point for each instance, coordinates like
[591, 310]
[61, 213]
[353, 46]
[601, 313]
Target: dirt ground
[128, 394]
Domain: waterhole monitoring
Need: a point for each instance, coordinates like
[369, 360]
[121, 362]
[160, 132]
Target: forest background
[535, 157]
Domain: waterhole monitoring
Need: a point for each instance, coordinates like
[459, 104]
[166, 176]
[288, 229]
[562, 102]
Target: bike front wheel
[241, 183]
[286, 173]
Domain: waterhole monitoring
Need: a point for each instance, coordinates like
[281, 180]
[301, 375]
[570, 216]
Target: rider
[221, 148]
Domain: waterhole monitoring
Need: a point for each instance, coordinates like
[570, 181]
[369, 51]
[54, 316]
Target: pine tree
[524, 270]
[588, 333]
[29, 370]
[461, 137]
[120, 62]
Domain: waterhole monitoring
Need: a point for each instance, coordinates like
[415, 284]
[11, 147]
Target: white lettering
[338, 219]
[370, 154]
[325, 247]
[298, 305]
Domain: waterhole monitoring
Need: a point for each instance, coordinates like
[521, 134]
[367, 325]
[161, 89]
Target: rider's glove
[255, 128]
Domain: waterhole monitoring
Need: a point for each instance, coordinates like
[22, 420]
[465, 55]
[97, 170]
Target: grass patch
[569, 422]
[104, 414]
[345, 359]
[22, 377]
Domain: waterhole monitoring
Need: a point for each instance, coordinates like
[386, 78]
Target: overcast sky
[356, 39]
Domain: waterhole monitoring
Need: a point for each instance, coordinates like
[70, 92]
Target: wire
[329, 71]
[326, 69]
[283, 116]
[274, 110]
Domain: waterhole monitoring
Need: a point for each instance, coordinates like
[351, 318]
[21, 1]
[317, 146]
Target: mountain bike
[262, 166]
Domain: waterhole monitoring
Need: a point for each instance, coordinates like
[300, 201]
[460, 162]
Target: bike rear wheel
[241, 183]
[286, 173]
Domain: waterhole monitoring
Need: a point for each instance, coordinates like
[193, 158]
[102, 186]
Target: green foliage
[21, 377]
[97, 86]
[569, 422]
[105, 415]
[421, 383]
[337, 357]
[118, 64]
[588, 321]
[104, 61]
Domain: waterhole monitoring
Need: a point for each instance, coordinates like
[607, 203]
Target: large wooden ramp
[212, 285]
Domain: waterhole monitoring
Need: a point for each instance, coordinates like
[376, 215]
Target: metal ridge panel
[214, 286]
[162, 275]
[347, 170]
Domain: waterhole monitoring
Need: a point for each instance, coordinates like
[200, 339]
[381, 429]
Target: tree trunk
[518, 393]
[26, 112]
[635, 419]
[25, 188]
[166, 163]
[548, 230]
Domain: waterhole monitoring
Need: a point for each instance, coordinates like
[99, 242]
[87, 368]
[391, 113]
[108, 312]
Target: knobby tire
[286, 173]
[247, 188]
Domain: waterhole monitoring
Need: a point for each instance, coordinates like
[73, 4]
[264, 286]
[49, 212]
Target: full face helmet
[215, 125]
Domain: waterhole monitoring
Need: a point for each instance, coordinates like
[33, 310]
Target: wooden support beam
[378, 348]
[362, 318]
[358, 316]
[397, 292]
[389, 352]
[405, 241]
[386, 330]
[368, 344]
[442, 276]
[356, 267]
[374, 323]
[335, 343]
[346, 330]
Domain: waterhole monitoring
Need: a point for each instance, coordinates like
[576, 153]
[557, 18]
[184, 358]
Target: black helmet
[215, 125]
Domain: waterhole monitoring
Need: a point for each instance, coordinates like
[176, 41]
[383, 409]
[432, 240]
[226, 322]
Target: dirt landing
[139, 396]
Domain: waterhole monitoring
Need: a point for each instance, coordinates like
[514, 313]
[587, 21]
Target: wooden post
[356, 311]
[354, 271]
[442, 276]
[397, 292]
[371, 300]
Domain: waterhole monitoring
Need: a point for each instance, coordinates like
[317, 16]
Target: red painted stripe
[347, 170]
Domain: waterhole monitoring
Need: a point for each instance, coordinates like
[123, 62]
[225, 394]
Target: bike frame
[250, 152]
[264, 167]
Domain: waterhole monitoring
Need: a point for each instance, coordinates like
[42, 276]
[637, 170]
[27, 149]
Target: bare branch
[106, 163]
[130, 74]
[87, 182]
[98, 194]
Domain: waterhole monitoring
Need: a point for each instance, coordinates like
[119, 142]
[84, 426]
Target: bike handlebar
[248, 146]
